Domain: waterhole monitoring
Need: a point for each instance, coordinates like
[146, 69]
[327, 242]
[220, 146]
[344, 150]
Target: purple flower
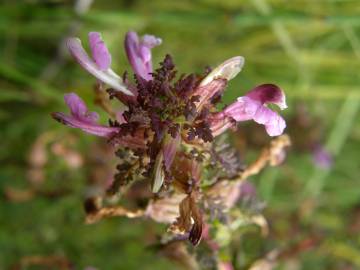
[138, 51]
[252, 106]
[99, 65]
[321, 157]
[81, 118]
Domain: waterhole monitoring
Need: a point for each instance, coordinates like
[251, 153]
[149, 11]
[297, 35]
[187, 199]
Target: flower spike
[165, 134]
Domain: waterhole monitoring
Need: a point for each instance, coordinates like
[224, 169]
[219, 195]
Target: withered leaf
[190, 220]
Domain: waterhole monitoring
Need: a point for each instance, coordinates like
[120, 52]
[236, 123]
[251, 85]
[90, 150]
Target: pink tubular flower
[252, 106]
[139, 53]
[99, 64]
[81, 118]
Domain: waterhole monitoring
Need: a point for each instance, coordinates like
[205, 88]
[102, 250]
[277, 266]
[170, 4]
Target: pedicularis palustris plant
[167, 130]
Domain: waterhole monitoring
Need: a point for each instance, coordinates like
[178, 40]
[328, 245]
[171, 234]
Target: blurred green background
[309, 48]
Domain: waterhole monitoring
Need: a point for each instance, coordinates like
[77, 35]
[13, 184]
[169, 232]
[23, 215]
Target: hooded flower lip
[268, 93]
[81, 118]
[138, 51]
[99, 51]
[99, 67]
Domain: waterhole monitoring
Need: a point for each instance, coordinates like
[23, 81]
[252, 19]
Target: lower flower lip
[102, 131]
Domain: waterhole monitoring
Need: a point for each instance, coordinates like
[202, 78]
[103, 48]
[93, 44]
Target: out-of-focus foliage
[309, 48]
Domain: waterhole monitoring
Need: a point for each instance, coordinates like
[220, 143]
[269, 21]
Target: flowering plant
[167, 135]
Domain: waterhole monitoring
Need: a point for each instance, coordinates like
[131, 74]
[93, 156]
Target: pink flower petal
[78, 108]
[243, 109]
[151, 41]
[263, 115]
[276, 125]
[99, 51]
[76, 104]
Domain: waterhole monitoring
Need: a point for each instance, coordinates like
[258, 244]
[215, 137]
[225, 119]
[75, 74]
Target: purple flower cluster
[164, 110]
[169, 120]
[166, 130]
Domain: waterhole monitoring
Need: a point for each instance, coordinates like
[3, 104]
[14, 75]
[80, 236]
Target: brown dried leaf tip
[190, 220]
